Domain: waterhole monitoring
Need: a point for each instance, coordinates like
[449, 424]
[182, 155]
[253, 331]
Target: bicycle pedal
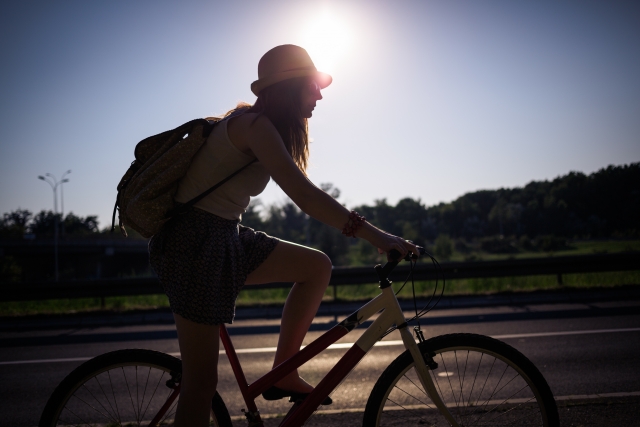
[174, 380]
[253, 418]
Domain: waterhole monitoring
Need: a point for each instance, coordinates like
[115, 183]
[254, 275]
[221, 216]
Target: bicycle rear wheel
[482, 381]
[122, 388]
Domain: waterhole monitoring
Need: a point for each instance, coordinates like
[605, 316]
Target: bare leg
[310, 269]
[199, 346]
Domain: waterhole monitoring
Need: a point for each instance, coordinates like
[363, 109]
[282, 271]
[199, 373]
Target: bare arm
[264, 141]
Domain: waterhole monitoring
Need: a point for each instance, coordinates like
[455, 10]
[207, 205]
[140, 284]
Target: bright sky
[430, 100]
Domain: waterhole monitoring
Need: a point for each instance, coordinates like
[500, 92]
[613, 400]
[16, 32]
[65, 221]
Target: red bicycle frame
[390, 312]
[298, 413]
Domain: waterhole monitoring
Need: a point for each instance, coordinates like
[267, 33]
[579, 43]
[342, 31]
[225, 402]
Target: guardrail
[342, 276]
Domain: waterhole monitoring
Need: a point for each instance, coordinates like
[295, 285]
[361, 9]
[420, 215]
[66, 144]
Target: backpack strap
[183, 208]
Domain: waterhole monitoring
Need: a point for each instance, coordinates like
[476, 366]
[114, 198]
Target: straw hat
[287, 62]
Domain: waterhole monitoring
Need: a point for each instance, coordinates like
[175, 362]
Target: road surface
[587, 352]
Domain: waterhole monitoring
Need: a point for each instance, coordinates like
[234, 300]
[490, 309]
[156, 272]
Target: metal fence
[343, 276]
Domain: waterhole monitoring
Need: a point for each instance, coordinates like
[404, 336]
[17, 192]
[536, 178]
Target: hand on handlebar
[399, 249]
[386, 242]
[394, 255]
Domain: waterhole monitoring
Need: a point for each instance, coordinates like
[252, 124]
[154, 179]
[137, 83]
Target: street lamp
[54, 183]
[54, 187]
[62, 180]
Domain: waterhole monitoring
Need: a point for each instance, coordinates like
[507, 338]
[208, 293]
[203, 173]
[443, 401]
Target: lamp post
[62, 180]
[53, 182]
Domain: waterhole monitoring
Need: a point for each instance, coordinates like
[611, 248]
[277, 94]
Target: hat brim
[323, 79]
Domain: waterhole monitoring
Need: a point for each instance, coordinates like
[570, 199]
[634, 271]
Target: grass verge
[250, 297]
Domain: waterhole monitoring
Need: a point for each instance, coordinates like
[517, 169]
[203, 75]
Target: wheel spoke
[446, 371]
[130, 396]
[496, 391]
[154, 392]
[510, 410]
[80, 418]
[144, 392]
[505, 400]
[105, 397]
[101, 392]
[497, 386]
[411, 395]
[405, 416]
[474, 379]
[416, 385]
[435, 377]
[485, 381]
[461, 381]
[114, 398]
[170, 412]
[139, 408]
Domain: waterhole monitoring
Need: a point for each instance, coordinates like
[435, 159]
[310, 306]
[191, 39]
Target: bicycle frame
[391, 315]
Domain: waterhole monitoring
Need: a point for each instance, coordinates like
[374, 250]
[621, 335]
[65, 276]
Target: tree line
[540, 215]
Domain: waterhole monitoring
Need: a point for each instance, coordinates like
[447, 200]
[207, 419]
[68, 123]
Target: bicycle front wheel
[122, 388]
[482, 381]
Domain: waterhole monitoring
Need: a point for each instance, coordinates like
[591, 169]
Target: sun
[327, 39]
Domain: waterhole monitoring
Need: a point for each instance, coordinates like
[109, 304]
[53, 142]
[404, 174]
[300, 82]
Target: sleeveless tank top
[217, 159]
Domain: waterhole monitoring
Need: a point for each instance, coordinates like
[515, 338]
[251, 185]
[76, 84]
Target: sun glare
[327, 39]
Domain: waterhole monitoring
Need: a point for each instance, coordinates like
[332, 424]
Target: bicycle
[454, 379]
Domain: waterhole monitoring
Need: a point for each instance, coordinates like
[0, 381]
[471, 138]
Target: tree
[77, 226]
[251, 218]
[43, 222]
[13, 225]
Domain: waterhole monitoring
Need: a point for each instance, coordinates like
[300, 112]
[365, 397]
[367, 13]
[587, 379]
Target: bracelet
[352, 225]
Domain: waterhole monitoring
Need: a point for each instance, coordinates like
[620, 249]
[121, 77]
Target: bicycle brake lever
[411, 256]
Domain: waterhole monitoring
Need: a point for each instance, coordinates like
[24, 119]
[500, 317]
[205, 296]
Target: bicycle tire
[121, 388]
[482, 381]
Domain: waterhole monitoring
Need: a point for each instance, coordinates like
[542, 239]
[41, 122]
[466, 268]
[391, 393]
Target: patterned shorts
[202, 262]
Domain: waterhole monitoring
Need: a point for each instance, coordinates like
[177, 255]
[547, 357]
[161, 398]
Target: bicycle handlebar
[395, 255]
[395, 258]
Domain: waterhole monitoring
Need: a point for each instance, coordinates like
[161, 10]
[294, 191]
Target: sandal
[275, 393]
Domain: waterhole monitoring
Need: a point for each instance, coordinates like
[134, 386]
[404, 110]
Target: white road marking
[350, 344]
[24, 362]
[556, 334]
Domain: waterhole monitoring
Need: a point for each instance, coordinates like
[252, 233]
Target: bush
[498, 245]
[551, 244]
[443, 247]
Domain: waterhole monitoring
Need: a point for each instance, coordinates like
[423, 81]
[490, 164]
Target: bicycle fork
[419, 362]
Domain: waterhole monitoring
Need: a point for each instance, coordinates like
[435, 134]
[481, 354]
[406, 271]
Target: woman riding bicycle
[204, 257]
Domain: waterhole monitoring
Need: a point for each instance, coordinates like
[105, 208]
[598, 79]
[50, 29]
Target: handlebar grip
[396, 256]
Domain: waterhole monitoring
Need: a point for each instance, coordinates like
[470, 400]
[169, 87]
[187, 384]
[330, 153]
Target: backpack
[146, 191]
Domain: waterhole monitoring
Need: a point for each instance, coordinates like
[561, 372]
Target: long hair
[280, 103]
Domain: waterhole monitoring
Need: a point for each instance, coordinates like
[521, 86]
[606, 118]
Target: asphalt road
[586, 352]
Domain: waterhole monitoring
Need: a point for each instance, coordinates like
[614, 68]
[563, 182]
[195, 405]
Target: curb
[164, 316]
